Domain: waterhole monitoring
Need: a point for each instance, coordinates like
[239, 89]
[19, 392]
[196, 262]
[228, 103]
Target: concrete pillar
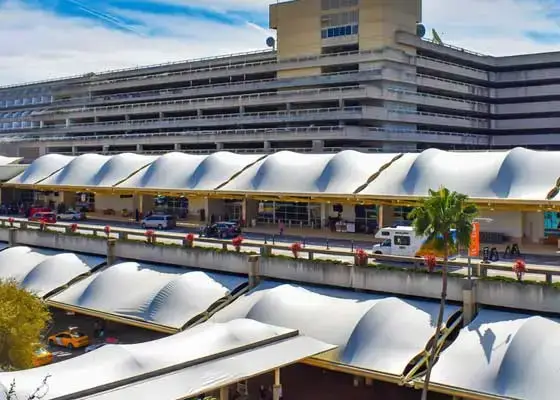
[241, 110]
[139, 148]
[380, 218]
[161, 115]
[42, 150]
[74, 150]
[267, 146]
[341, 103]
[127, 117]
[277, 388]
[140, 203]
[254, 271]
[96, 119]
[324, 213]
[288, 107]
[111, 247]
[317, 146]
[177, 147]
[105, 148]
[67, 122]
[224, 393]
[12, 237]
[219, 146]
[469, 301]
[41, 124]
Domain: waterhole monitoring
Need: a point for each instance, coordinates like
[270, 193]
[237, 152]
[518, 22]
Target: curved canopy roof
[340, 173]
[180, 171]
[519, 174]
[373, 332]
[504, 354]
[41, 168]
[167, 296]
[113, 363]
[41, 271]
[94, 170]
[9, 160]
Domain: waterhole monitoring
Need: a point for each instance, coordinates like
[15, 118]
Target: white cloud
[36, 44]
[495, 27]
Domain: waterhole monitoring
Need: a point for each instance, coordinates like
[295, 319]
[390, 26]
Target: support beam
[277, 388]
[224, 393]
[469, 301]
[111, 247]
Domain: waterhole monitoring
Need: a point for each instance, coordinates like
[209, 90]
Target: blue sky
[47, 38]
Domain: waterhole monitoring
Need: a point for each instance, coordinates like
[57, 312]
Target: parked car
[159, 222]
[41, 356]
[222, 230]
[71, 215]
[94, 346]
[48, 217]
[71, 339]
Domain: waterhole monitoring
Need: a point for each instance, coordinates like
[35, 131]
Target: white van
[403, 241]
[159, 222]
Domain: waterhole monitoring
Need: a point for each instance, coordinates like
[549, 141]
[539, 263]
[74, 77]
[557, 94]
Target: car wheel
[223, 235]
[143, 226]
[378, 252]
[70, 346]
[160, 227]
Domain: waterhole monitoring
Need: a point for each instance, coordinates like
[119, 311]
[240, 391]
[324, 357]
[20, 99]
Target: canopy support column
[224, 393]
[277, 388]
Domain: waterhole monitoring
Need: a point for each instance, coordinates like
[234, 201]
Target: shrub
[431, 262]
[296, 249]
[520, 268]
[189, 237]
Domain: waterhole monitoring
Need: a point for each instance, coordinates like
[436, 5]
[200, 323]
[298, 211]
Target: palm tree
[435, 218]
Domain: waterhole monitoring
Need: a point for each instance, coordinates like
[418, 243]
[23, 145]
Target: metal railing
[452, 64]
[425, 132]
[213, 100]
[263, 115]
[437, 78]
[450, 46]
[137, 68]
[437, 115]
[238, 66]
[435, 96]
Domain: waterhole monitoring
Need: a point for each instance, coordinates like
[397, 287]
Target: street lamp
[469, 265]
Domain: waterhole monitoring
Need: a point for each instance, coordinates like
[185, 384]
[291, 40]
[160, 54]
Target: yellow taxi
[41, 356]
[71, 339]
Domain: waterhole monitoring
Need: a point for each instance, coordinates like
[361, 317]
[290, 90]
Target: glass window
[401, 240]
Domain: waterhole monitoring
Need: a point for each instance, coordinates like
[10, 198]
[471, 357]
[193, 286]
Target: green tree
[435, 218]
[23, 318]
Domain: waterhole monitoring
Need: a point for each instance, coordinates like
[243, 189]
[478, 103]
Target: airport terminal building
[342, 74]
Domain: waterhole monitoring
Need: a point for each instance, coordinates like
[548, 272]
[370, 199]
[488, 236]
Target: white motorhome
[403, 241]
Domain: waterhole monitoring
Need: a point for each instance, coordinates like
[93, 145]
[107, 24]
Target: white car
[159, 222]
[70, 215]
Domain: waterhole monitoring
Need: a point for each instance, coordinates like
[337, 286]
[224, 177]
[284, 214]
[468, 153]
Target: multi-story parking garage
[345, 74]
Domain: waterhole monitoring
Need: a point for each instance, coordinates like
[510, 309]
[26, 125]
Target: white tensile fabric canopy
[504, 354]
[180, 171]
[374, 332]
[41, 271]
[41, 168]
[341, 173]
[95, 170]
[113, 363]
[515, 174]
[167, 296]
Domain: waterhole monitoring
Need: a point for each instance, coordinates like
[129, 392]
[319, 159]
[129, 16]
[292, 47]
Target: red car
[48, 217]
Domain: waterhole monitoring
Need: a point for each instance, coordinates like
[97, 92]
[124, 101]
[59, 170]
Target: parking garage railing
[170, 121]
[218, 99]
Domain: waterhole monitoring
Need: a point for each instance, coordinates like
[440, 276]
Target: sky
[42, 39]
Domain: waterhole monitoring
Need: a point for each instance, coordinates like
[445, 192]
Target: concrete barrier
[407, 282]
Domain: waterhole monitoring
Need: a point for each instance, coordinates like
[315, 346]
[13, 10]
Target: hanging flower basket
[361, 258]
[189, 240]
[43, 225]
[237, 242]
[296, 249]
[107, 230]
[520, 268]
[11, 221]
[430, 261]
[150, 236]
[73, 228]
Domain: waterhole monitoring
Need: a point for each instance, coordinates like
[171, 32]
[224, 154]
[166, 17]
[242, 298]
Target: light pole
[469, 255]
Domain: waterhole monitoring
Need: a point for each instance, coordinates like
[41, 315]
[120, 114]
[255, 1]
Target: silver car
[159, 222]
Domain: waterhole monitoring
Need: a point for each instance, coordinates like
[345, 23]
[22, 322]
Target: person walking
[281, 228]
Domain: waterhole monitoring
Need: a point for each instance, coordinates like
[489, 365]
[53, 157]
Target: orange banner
[474, 248]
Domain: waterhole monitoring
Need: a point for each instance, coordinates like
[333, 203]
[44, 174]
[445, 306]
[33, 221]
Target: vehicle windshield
[77, 334]
[40, 351]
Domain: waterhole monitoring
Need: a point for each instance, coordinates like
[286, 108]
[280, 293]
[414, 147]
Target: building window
[401, 240]
[334, 4]
[339, 31]
[400, 214]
